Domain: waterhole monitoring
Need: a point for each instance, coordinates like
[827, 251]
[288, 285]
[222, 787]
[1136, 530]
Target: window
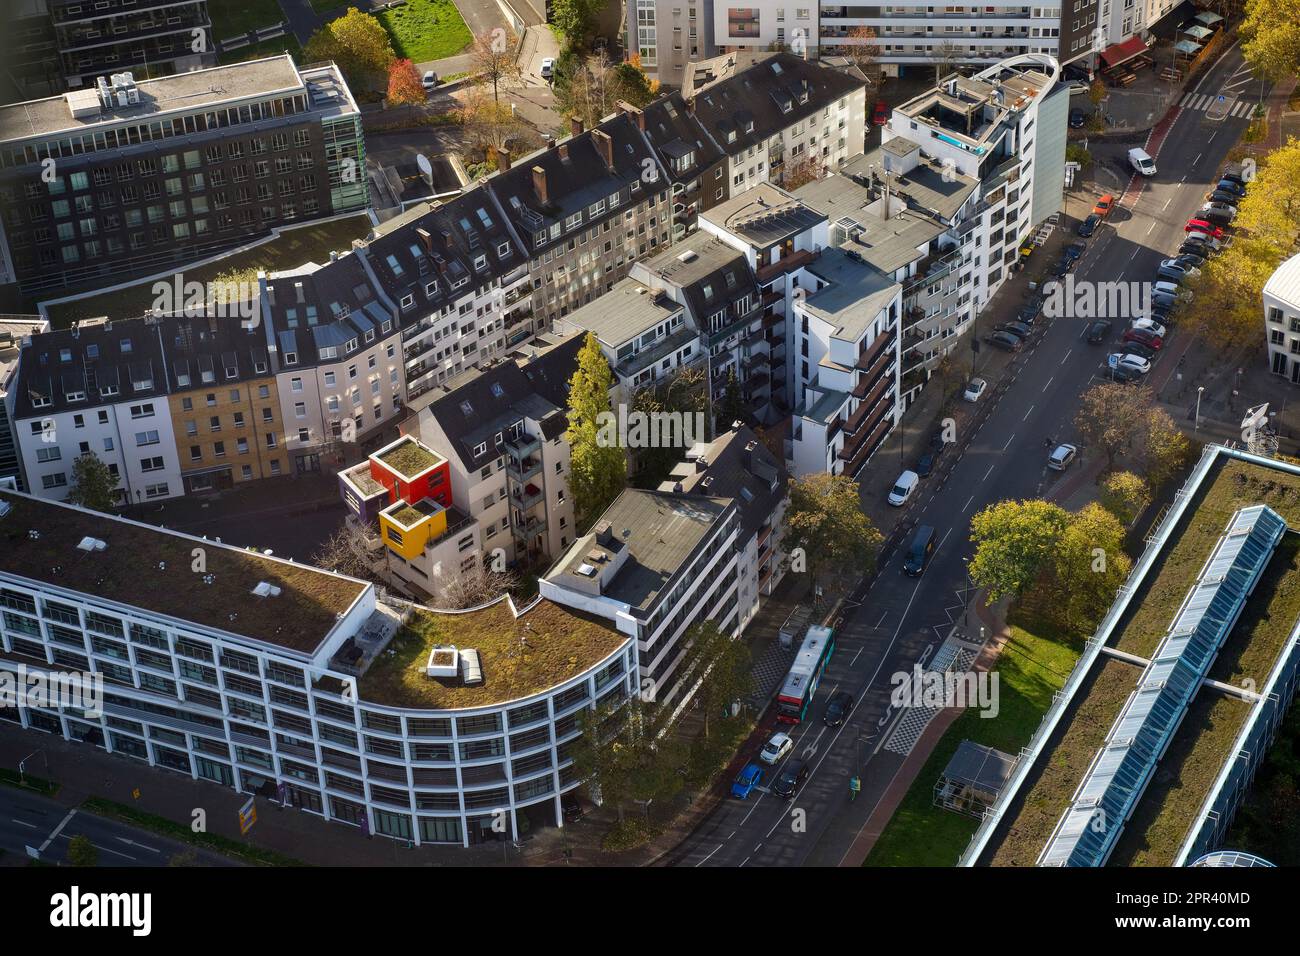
[151, 464]
[146, 438]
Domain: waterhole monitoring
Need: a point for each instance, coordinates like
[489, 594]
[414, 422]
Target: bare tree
[474, 587]
[347, 551]
[946, 57]
[492, 57]
[489, 124]
[864, 51]
[802, 171]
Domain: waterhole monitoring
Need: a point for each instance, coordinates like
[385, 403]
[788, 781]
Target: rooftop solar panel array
[1122, 768]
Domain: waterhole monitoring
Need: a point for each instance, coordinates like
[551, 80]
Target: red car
[1143, 337]
[1201, 225]
[880, 116]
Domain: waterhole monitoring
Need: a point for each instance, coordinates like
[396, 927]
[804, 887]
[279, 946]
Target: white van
[1141, 160]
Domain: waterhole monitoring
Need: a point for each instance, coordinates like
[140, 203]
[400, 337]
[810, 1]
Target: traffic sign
[247, 816]
[1112, 360]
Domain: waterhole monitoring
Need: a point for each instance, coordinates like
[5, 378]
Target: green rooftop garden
[410, 458]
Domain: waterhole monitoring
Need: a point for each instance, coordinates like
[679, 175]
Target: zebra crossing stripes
[1204, 101]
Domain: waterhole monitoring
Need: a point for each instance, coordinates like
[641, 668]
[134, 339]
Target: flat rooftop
[408, 458]
[1185, 776]
[856, 293]
[127, 571]
[764, 215]
[187, 92]
[520, 656]
[622, 314]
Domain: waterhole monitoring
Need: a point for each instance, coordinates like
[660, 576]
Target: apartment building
[14, 330]
[695, 164]
[737, 465]
[653, 565]
[337, 355]
[783, 112]
[457, 281]
[99, 388]
[766, 25]
[1282, 319]
[585, 209]
[501, 430]
[223, 402]
[287, 684]
[124, 178]
[668, 35]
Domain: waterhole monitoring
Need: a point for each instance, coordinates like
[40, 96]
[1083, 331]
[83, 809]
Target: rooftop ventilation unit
[91, 544]
[471, 668]
[266, 589]
[586, 570]
[443, 662]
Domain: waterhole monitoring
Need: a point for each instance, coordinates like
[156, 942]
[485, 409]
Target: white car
[548, 67]
[1149, 325]
[429, 81]
[1060, 459]
[975, 390]
[903, 488]
[1135, 362]
[775, 749]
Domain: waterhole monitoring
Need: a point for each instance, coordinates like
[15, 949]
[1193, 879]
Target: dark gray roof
[710, 274]
[738, 466]
[326, 307]
[674, 130]
[978, 766]
[929, 186]
[748, 108]
[888, 244]
[201, 352]
[855, 294]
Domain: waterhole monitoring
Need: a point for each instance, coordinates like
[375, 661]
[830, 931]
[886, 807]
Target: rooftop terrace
[520, 656]
[408, 458]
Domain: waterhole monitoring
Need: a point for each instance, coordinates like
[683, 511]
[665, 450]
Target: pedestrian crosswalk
[1209, 102]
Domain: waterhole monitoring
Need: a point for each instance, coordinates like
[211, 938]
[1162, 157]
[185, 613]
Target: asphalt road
[27, 819]
[901, 621]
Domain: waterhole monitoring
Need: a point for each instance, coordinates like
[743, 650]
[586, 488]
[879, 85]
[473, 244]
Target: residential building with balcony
[97, 37]
[765, 25]
[585, 209]
[501, 430]
[738, 466]
[15, 330]
[653, 565]
[781, 112]
[99, 388]
[336, 351]
[223, 402]
[669, 36]
[149, 175]
[296, 686]
[846, 323]
[458, 282]
[695, 164]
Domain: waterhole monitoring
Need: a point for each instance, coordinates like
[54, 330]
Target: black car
[1035, 301]
[925, 464]
[1125, 373]
[1223, 196]
[837, 708]
[1026, 315]
[1015, 328]
[1196, 247]
[1133, 347]
[1004, 341]
[1099, 331]
[1077, 118]
[1191, 260]
[1089, 226]
[1075, 249]
[790, 779]
[1063, 266]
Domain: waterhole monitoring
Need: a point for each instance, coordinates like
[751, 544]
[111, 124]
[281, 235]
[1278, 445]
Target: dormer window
[40, 401]
[370, 335]
[407, 301]
[480, 449]
[125, 346]
[351, 346]
[65, 355]
[290, 358]
[503, 250]
[430, 289]
[232, 371]
[480, 262]
[731, 136]
[259, 367]
[75, 396]
[108, 391]
[328, 352]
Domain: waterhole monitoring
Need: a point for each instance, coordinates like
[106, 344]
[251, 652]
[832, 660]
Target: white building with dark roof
[1282, 319]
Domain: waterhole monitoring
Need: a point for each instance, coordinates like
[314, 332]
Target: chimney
[426, 240]
[604, 533]
[563, 150]
[503, 159]
[690, 106]
[637, 115]
[539, 185]
[575, 126]
[604, 146]
[447, 242]
[550, 142]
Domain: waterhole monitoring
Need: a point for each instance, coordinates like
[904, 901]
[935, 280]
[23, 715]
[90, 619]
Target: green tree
[1271, 32]
[575, 19]
[93, 485]
[685, 393]
[631, 83]
[1165, 448]
[718, 667]
[826, 527]
[1125, 495]
[81, 852]
[1110, 416]
[358, 43]
[597, 468]
[1089, 566]
[1014, 542]
[624, 756]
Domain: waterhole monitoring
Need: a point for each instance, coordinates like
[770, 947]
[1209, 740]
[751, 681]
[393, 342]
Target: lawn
[232, 18]
[282, 44]
[424, 30]
[1031, 668]
[292, 248]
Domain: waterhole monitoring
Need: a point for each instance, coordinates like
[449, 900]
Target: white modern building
[1282, 319]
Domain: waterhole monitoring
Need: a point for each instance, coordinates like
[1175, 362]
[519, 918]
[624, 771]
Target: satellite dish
[1254, 416]
[426, 167]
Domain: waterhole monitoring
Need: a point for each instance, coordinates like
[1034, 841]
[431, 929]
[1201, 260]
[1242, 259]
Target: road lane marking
[57, 830]
[24, 823]
[987, 473]
[715, 850]
[967, 505]
[1049, 382]
[1009, 441]
[1026, 418]
[1067, 355]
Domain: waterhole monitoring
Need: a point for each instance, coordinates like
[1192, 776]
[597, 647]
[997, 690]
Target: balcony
[796, 260]
[529, 529]
[526, 497]
[521, 469]
[523, 444]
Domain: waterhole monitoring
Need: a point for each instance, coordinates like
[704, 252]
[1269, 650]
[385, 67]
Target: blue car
[746, 781]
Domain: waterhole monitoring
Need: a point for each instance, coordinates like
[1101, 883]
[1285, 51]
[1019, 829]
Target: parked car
[1089, 226]
[1103, 206]
[1035, 301]
[429, 81]
[1099, 331]
[975, 390]
[880, 115]
[1235, 173]
[1149, 325]
[1018, 329]
[1132, 361]
[903, 488]
[1199, 244]
[1196, 224]
[1221, 214]
[837, 708]
[929, 458]
[1062, 457]
[776, 749]
[790, 779]
[547, 71]
[1137, 348]
[1232, 186]
[919, 551]
[746, 781]
[1143, 337]
[1075, 249]
[1125, 374]
[1223, 196]
[1192, 259]
[1166, 287]
[1004, 341]
[1063, 266]
[1027, 315]
[1175, 275]
[1078, 118]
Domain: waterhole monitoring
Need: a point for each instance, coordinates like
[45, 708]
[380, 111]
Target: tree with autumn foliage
[492, 58]
[358, 43]
[404, 86]
[862, 48]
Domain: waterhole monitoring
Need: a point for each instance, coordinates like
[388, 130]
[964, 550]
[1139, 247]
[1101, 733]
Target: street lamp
[1200, 390]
